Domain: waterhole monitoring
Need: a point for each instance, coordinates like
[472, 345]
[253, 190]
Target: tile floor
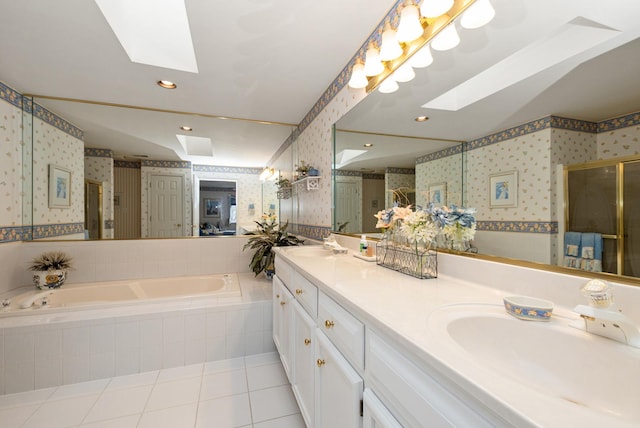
[251, 392]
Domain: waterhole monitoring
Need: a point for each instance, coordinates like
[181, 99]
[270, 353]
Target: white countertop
[399, 306]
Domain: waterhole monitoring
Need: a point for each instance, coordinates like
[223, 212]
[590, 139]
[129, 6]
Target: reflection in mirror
[149, 176]
[218, 212]
[522, 125]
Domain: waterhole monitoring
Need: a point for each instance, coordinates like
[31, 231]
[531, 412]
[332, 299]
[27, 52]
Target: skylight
[565, 42]
[196, 146]
[152, 32]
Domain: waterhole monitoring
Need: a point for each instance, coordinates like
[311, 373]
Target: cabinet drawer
[306, 293]
[412, 394]
[343, 329]
[284, 272]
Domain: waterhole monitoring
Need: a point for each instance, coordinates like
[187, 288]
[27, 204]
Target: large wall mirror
[515, 100]
[157, 180]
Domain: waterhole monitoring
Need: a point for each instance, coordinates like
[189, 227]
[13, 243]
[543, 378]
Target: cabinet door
[304, 362]
[338, 388]
[376, 414]
[283, 323]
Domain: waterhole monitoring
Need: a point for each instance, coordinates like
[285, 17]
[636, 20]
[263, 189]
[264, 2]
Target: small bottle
[363, 245]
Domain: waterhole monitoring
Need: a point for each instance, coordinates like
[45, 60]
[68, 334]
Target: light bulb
[372, 64]
[422, 58]
[388, 86]
[409, 28]
[404, 73]
[478, 14]
[446, 39]
[358, 78]
[435, 8]
[390, 48]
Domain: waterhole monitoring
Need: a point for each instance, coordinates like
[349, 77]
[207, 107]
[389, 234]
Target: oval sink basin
[551, 357]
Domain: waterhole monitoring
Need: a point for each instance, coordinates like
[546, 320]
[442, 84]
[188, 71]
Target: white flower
[419, 228]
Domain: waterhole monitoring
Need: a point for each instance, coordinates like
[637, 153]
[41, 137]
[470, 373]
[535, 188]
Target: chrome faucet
[29, 301]
[602, 316]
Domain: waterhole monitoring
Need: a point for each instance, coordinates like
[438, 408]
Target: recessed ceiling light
[421, 119]
[368, 145]
[167, 84]
[186, 128]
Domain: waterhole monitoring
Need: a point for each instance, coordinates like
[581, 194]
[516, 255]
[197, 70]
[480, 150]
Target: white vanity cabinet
[283, 323]
[375, 414]
[326, 386]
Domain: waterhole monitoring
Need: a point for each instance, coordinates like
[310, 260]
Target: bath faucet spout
[29, 301]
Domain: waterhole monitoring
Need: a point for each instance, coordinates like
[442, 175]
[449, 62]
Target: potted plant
[283, 183]
[268, 235]
[303, 169]
[50, 269]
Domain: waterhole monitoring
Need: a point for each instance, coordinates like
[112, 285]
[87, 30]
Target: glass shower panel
[592, 199]
[631, 219]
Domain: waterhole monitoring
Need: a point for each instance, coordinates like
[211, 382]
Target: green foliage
[55, 260]
[269, 235]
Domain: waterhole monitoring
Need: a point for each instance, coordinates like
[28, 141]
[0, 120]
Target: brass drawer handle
[320, 362]
[328, 324]
[298, 291]
[307, 342]
[283, 303]
[277, 296]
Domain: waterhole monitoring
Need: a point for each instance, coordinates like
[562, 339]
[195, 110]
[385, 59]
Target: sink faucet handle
[599, 292]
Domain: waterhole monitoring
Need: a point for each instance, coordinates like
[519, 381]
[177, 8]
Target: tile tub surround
[128, 259]
[60, 353]
[399, 307]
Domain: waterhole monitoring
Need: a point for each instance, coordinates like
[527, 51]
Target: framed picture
[212, 207]
[438, 194]
[59, 187]
[503, 189]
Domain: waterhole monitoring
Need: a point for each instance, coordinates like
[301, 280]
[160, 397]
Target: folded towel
[572, 242]
[591, 244]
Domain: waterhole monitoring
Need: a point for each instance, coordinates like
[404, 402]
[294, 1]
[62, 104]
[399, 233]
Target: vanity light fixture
[478, 14]
[390, 48]
[446, 39]
[435, 8]
[421, 119]
[166, 84]
[186, 128]
[411, 43]
[409, 27]
[372, 64]
[388, 86]
[358, 78]
[266, 173]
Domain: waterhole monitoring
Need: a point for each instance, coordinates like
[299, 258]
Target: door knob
[298, 291]
[328, 324]
[307, 342]
[320, 362]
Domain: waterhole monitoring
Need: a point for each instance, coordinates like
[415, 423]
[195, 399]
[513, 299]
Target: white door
[348, 207]
[303, 362]
[376, 414]
[338, 388]
[283, 323]
[166, 206]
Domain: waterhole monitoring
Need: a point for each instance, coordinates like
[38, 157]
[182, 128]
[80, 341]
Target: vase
[269, 273]
[49, 279]
[313, 172]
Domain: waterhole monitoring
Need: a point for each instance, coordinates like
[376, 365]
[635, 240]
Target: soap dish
[528, 308]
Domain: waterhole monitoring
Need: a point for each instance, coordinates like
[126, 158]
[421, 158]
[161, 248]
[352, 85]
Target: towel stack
[583, 251]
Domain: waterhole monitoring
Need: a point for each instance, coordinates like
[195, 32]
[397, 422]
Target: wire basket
[421, 264]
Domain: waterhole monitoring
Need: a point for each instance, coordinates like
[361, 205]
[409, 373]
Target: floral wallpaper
[10, 165]
[446, 170]
[396, 178]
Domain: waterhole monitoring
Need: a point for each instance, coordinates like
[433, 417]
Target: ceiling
[261, 60]
[270, 61]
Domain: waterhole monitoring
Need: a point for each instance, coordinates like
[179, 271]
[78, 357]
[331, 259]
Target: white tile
[272, 403]
[174, 393]
[183, 372]
[123, 402]
[254, 320]
[150, 358]
[173, 329]
[226, 412]
[48, 373]
[173, 354]
[19, 361]
[216, 348]
[267, 343]
[253, 343]
[48, 345]
[172, 417]
[62, 413]
[75, 342]
[150, 332]
[24, 398]
[221, 384]
[123, 422]
[132, 381]
[194, 326]
[127, 361]
[215, 324]
[102, 338]
[234, 346]
[78, 389]
[266, 376]
[224, 365]
[293, 421]
[127, 334]
[262, 359]
[236, 322]
[102, 366]
[75, 369]
[16, 416]
[195, 351]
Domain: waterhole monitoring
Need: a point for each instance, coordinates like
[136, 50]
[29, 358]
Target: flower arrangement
[410, 234]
